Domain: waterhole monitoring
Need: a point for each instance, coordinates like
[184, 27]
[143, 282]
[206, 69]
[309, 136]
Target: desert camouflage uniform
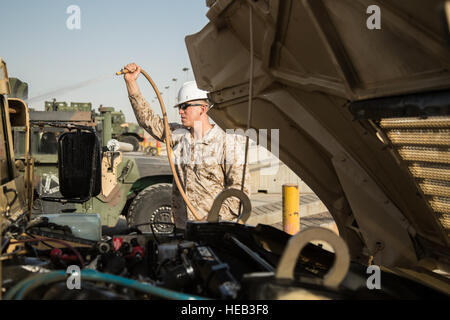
[206, 166]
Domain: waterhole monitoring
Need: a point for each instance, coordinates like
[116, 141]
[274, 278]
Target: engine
[223, 260]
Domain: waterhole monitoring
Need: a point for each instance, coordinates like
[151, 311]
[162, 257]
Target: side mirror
[18, 111]
[79, 166]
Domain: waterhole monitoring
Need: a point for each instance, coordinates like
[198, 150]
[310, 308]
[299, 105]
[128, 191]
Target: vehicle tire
[152, 205]
[131, 140]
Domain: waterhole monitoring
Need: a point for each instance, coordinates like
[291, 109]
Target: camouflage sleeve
[233, 170]
[150, 121]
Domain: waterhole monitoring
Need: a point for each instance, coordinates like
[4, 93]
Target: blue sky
[40, 49]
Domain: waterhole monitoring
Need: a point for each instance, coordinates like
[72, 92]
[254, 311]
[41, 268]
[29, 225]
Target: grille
[424, 144]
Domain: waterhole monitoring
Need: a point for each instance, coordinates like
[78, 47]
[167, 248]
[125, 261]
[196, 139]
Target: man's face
[193, 113]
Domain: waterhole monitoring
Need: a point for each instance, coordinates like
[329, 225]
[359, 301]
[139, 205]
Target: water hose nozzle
[122, 71]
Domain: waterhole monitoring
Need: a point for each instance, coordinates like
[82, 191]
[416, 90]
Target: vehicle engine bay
[223, 260]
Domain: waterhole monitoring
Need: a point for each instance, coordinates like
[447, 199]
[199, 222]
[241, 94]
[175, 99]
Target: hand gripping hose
[169, 149]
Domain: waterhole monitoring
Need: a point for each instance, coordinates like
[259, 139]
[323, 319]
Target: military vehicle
[120, 129]
[134, 185]
[370, 139]
[16, 187]
[363, 114]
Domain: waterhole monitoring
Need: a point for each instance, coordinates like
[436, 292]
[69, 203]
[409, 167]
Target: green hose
[19, 291]
[13, 291]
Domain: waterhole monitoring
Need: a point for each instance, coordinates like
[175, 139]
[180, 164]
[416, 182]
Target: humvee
[117, 127]
[134, 185]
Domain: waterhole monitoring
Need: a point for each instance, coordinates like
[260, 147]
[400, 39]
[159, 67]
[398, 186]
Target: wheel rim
[162, 214]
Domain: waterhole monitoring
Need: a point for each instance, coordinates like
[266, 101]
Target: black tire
[152, 205]
[131, 140]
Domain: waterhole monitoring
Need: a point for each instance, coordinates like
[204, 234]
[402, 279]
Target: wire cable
[64, 243]
[250, 100]
[20, 291]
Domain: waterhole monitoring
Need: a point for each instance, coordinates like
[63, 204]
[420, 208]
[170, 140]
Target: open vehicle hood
[339, 93]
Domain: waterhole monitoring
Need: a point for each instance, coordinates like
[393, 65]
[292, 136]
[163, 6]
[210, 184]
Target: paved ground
[267, 209]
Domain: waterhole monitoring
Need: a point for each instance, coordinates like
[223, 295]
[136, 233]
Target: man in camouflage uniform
[207, 160]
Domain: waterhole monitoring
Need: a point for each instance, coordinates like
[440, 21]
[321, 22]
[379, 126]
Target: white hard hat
[189, 91]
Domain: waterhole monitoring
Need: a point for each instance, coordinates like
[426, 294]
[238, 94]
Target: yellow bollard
[158, 146]
[291, 209]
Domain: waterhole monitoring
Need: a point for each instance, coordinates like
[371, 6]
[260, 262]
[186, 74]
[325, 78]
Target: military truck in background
[133, 185]
[120, 129]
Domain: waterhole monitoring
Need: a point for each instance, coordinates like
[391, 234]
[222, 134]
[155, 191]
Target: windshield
[44, 141]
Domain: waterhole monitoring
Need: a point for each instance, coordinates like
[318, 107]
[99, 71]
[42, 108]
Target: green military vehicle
[120, 129]
[134, 185]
